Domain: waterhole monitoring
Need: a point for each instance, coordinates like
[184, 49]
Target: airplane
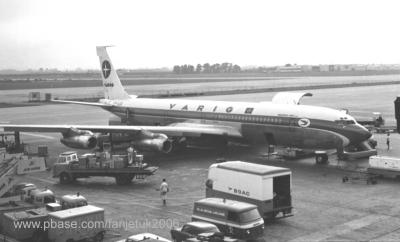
[163, 124]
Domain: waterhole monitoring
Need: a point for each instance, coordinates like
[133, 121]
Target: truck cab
[67, 157]
[73, 201]
[41, 197]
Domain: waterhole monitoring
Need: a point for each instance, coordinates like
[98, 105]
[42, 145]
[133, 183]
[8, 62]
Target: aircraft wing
[184, 130]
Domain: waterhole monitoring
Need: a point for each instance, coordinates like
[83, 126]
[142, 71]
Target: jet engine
[153, 142]
[79, 139]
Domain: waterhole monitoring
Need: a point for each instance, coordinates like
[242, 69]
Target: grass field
[93, 79]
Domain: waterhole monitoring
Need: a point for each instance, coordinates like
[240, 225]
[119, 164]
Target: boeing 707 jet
[161, 124]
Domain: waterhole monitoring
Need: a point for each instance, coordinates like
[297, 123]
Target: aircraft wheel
[321, 158]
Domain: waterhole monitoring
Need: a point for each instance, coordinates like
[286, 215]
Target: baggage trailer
[86, 222]
[25, 225]
[384, 166]
[267, 187]
[362, 175]
[69, 167]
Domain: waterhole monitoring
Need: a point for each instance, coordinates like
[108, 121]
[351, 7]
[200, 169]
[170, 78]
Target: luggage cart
[360, 175]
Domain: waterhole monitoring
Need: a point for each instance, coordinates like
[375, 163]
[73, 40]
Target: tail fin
[113, 88]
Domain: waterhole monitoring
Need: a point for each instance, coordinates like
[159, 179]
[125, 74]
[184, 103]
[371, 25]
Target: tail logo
[106, 69]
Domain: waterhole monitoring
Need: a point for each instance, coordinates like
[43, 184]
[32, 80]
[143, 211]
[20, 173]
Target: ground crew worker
[164, 189]
[388, 141]
[130, 151]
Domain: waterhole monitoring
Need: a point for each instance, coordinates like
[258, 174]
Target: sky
[63, 34]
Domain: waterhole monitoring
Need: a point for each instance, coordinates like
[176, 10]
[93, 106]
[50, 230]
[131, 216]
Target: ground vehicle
[144, 237]
[360, 174]
[384, 166]
[239, 220]
[70, 167]
[35, 206]
[375, 121]
[34, 200]
[51, 223]
[193, 229]
[89, 220]
[40, 197]
[14, 224]
[73, 201]
[267, 187]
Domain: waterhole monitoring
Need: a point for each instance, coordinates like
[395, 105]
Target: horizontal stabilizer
[82, 103]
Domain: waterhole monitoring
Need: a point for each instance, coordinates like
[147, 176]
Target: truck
[86, 222]
[55, 221]
[376, 123]
[42, 224]
[384, 166]
[35, 199]
[267, 187]
[70, 166]
[235, 219]
[25, 225]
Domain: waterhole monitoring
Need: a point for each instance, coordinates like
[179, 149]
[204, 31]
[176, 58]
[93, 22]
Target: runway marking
[40, 136]
[342, 229]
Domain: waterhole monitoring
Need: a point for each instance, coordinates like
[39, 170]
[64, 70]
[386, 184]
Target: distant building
[323, 68]
[315, 68]
[294, 68]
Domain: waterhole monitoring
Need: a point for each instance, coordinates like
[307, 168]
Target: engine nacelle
[80, 141]
[161, 143]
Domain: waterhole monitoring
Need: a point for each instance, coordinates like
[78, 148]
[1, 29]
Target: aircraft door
[129, 115]
[292, 125]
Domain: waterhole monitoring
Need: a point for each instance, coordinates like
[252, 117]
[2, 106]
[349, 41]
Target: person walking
[388, 141]
[164, 189]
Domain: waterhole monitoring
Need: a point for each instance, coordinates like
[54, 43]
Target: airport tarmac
[324, 207]
[21, 95]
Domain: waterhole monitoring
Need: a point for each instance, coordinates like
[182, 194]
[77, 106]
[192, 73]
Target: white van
[236, 219]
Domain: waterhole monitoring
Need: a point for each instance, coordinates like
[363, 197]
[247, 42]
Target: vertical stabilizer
[113, 88]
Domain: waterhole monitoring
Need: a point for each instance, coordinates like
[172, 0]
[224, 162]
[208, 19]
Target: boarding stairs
[8, 169]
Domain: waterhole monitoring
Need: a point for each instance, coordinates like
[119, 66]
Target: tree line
[207, 68]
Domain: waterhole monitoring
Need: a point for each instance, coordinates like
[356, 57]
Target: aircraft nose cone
[363, 132]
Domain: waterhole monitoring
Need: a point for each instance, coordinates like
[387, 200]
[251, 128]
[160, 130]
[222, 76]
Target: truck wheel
[65, 178]
[122, 179]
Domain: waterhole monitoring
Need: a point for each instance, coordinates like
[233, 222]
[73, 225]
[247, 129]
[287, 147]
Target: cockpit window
[345, 122]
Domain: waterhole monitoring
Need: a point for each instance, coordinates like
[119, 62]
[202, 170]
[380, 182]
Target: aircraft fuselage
[302, 126]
